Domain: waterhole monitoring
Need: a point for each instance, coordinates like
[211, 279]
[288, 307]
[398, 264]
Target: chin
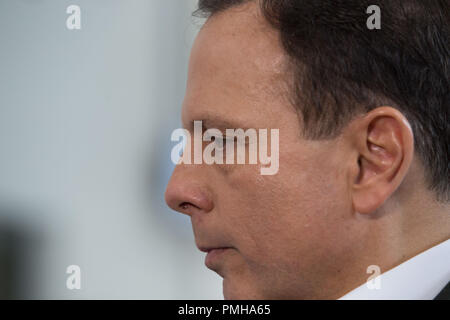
[239, 290]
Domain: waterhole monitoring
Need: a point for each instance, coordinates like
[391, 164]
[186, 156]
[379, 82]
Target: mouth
[214, 255]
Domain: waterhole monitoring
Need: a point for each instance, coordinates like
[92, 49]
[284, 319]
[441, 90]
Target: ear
[384, 144]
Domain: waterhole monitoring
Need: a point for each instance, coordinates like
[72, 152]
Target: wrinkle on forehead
[237, 58]
[246, 28]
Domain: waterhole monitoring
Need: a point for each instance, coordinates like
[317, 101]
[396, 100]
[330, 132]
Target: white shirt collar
[419, 278]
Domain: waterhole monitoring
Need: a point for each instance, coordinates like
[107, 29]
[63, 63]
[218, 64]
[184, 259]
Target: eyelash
[225, 139]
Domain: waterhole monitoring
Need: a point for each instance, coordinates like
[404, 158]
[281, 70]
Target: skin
[334, 207]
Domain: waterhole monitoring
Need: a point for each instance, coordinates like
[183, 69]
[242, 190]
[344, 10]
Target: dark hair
[343, 69]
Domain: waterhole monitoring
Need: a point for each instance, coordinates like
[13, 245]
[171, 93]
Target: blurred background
[85, 123]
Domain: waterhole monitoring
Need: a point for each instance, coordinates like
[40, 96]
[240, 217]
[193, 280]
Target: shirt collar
[419, 278]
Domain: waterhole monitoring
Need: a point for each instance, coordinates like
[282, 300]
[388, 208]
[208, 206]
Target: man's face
[287, 234]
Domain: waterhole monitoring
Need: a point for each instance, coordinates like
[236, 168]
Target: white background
[85, 123]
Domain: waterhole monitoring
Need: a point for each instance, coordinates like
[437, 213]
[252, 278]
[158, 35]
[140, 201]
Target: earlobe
[385, 146]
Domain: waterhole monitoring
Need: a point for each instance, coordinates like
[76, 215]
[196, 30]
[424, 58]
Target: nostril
[187, 208]
[187, 205]
[184, 205]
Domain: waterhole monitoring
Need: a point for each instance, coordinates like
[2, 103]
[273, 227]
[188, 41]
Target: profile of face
[302, 232]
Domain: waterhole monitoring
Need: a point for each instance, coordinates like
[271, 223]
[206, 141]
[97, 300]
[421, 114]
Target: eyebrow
[216, 122]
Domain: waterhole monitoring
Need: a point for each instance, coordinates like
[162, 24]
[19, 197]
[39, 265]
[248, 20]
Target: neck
[410, 222]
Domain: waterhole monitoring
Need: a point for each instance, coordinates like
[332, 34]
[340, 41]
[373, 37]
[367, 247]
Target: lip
[214, 255]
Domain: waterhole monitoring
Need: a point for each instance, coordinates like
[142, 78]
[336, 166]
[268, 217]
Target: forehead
[237, 70]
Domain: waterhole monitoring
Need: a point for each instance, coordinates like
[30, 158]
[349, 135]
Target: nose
[186, 194]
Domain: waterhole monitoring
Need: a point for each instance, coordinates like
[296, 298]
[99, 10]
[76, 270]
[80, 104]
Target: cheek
[277, 219]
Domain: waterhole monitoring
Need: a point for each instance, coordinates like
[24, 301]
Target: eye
[220, 143]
